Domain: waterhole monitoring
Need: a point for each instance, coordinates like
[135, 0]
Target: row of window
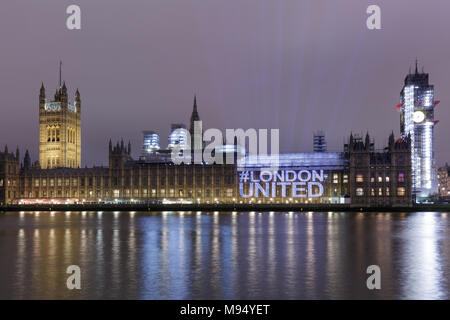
[127, 181]
[135, 193]
[400, 178]
[401, 192]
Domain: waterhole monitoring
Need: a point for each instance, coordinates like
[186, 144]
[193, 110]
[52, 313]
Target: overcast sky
[296, 65]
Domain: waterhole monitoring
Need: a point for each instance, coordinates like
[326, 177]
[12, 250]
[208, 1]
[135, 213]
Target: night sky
[296, 65]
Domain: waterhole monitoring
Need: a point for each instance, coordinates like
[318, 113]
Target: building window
[335, 178]
[387, 191]
[153, 192]
[380, 177]
[229, 192]
[372, 192]
[1, 182]
[387, 178]
[401, 177]
[372, 179]
[116, 193]
[345, 180]
[380, 192]
[401, 191]
[359, 177]
[359, 192]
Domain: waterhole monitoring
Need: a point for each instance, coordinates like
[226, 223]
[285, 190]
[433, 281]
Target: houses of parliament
[359, 175]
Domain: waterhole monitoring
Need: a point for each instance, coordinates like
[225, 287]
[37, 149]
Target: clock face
[418, 116]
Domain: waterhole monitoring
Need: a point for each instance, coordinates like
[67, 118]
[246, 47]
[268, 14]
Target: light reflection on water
[193, 255]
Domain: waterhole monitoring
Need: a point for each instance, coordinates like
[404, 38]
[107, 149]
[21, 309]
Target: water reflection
[200, 255]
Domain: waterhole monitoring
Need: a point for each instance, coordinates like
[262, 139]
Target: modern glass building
[150, 143]
[177, 136]
[417, 120]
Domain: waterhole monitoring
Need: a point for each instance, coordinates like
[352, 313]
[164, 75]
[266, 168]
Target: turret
[27, 160]
[42, 97]
[63, 92]
[129, 148]
[367, 143]
[77, 100]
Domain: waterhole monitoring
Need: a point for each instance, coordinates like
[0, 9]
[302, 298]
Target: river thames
[211, 255]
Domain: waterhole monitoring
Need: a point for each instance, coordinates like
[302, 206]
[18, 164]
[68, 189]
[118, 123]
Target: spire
[17, 153]
[367, 141]
[42, 89]
[60, 72]
[129, 147]
[194, 115]
[110, 145]
[416, 65]
[6, 149]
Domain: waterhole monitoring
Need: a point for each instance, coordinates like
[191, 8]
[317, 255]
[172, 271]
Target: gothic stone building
[359, 176]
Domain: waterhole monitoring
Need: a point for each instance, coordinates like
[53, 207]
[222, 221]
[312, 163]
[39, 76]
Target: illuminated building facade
[417, 120]
[9, 176]
[379, 177]
[444, 182]
[359, 176]
[178, 136]
[59, 129]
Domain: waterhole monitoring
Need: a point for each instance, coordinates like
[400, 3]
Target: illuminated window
[372, 192]
[380, 177]
[401, 177]
[116, 193]
[372, 179]
[52, 182]
[36, 182]
[380, 192]
[345, 180]
[1, 182]
[359, 178]
[335, 178]
[401, 191]
[359, 192]
[44, 182]
[229, 192]
[387, 178]
[171, 192]
[153, 192]
[387, 191]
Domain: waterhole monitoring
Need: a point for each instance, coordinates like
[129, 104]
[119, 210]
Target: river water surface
[207, 255]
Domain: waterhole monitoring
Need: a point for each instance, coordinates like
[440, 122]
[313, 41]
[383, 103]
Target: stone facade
[59, 130]
[444, 182]
[380, 178]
